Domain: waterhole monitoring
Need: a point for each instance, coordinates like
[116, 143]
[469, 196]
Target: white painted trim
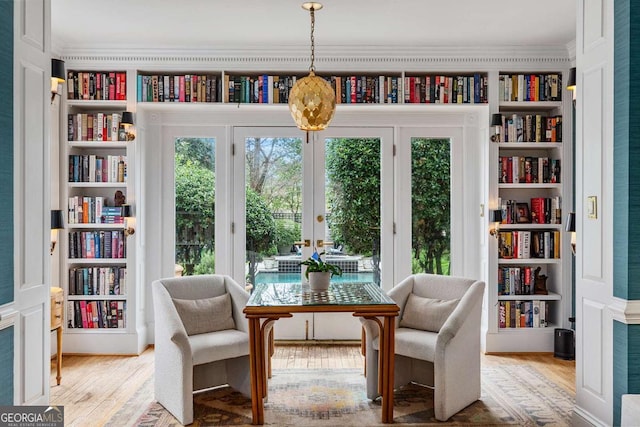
[332, 59]
[8, 315]
[625, 311]
[587, 416]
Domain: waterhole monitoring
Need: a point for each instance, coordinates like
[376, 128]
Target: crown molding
[344, 58]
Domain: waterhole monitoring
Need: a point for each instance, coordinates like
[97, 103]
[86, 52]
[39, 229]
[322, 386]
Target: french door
[332, 193]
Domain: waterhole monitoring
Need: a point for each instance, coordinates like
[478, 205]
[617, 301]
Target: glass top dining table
[298, 294]
[272, 301]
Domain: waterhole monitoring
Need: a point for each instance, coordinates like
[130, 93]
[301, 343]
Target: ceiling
[250, 24]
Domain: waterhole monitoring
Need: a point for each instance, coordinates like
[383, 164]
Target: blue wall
[6, 195]
[6, 366]
[6, 148]
[626, 229]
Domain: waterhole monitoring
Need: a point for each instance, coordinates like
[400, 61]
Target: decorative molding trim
[297, 58]
[8, 315]
[625, 311]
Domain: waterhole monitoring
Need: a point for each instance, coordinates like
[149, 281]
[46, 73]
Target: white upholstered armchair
[437, 340]
[201, 339]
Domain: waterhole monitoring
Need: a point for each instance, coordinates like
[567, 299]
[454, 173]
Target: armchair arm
[400, 293]
[169, 326]
[467, 311]
[239, 298]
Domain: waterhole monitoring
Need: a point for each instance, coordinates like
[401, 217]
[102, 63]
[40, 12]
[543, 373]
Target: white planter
[319, 281]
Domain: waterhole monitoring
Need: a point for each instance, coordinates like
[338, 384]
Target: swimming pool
[276, 277]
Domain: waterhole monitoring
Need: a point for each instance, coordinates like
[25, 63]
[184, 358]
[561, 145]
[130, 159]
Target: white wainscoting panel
[592, 338]
[594, 138]
[33, 349]
[593, 24]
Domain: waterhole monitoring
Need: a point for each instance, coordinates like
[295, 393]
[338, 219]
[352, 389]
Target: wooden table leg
[387, 354]
[59, 354]
[256, 355]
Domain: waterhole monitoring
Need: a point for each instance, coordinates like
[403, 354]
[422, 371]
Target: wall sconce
[129, 220]
[57, 223]
[57, 76]
[571, 228]
[571, 83]
[496, 122]
[127, 122]
[495, 216]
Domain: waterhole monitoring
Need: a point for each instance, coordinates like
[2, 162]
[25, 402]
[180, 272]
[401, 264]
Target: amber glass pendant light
[312, 100]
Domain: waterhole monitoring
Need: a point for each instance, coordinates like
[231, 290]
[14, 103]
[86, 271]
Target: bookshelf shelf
[530, 227]
[98, 144]
[529, 145]
[551, 297]
[97, 185]
[97, 261]
[97, 297]
[528, 261]
[531, 186]
[532, 181]
[96, 104]
[94, 226]
[508, 106]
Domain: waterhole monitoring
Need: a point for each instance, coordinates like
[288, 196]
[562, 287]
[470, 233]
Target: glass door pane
[352, 209]
[431, 205]
[273, 209]
[194, 163]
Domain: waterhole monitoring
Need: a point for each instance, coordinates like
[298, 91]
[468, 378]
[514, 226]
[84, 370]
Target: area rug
[511, 395]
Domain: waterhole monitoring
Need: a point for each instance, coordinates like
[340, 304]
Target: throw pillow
[200, 316]
[426, 314]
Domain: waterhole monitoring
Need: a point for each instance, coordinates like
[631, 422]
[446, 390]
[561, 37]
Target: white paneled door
[31, 201]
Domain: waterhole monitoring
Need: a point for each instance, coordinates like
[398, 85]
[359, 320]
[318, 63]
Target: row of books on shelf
[523, 314]
[544, 210]
[98, 281]
[258, 89]
[530, 128]
[96, 314]
[92, 210]
[96, 126]
[441, 89]
[274, 89]
[97, 85]
[517, 280]
[528, 244]
[112, 85]
[95, 168]
[363, 89]
[110, 244]
[178, 88]
[530, 87]
[528, 170]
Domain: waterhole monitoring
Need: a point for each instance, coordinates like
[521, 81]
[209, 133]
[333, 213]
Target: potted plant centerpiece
[319, 273]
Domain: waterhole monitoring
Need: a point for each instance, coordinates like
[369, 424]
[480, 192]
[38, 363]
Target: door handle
[321, 243]
[306, 243]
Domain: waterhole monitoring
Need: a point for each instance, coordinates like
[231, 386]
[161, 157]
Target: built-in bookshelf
[530, 281]
[95, 155]
[274, 88]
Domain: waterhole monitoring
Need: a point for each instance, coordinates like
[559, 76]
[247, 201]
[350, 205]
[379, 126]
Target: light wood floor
[94, 388]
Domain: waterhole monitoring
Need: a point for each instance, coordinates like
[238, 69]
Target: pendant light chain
[312, 100]
[313, 26]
